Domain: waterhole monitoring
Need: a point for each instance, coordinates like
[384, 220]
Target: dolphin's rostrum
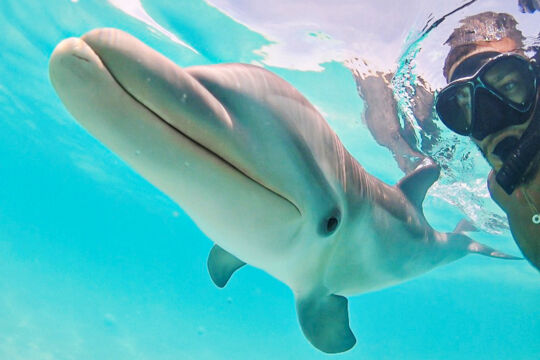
[260, 172]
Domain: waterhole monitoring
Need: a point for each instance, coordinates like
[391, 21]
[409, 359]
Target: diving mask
[501, 93]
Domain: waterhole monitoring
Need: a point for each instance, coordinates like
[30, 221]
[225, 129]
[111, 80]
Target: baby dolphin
[260, 172]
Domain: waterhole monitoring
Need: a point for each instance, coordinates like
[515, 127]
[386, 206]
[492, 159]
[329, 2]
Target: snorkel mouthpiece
[505, 147]
[512, 173]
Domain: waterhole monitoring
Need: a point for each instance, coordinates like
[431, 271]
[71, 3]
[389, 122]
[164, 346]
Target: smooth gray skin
[259, 171]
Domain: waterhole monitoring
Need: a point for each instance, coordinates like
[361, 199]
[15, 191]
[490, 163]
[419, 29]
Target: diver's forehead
[468, 66]
[505, 45]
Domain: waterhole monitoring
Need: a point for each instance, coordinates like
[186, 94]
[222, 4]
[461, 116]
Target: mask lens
[454, 106]
[491, 114]
[512, 79]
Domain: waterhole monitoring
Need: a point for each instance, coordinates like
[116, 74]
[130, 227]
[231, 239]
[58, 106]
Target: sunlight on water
[135, 8]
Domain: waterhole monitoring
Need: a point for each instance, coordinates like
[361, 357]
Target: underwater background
[95, 263]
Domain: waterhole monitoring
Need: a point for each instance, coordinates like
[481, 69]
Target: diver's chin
[494, 161]
[486, 147]
[491, 142]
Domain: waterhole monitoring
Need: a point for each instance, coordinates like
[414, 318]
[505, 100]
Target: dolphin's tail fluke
[473, 247]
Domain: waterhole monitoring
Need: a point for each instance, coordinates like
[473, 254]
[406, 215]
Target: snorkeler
[383, 122]
[492, 96]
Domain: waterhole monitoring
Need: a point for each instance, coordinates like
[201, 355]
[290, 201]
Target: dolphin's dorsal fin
[416, 184]
[325, 322]
[221, 265]
[465, 226]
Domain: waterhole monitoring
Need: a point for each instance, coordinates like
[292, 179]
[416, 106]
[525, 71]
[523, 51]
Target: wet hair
[486, 26]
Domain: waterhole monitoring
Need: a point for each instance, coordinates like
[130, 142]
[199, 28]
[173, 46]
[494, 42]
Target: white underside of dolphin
[260, 172]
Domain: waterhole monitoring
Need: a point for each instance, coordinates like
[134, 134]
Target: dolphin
[260, 172]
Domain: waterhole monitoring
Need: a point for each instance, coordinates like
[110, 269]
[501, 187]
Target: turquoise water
[95, 263]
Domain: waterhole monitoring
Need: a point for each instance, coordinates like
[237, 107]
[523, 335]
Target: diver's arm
[382, 120]
[519, 212]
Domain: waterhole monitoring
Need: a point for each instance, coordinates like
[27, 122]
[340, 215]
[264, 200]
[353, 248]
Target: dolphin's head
[239, 149]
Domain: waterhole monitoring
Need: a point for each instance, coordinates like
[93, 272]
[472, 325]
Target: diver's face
[506, 80]
[512, 87]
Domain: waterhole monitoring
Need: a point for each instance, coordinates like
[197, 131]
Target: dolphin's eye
[331, 225]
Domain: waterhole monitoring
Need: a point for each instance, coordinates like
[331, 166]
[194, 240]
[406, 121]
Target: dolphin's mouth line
[223, 160]
[178, 131]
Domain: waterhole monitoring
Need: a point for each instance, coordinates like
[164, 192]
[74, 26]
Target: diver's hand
[519, 213]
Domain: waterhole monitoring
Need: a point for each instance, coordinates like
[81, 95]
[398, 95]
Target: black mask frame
[487, 109]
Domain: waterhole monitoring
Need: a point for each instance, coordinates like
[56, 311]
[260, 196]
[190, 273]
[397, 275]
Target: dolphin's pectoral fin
[325, 322]
[416, 184]
[221, 265]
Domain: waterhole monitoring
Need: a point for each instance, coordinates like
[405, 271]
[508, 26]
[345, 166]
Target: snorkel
[518, 161]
